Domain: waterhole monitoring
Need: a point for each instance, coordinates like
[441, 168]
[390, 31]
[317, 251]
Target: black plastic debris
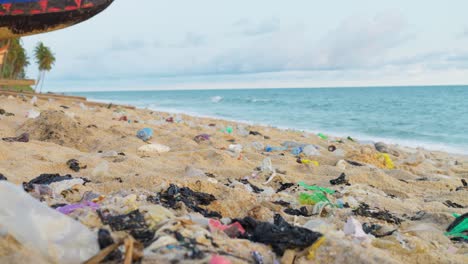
[280, 235]
[255, 133]
[3, 178]
[459, 236]
[374, 229]
[298, 212]
[449, 203]
[21, 138]
[282, 203]
[340, 180]
[130, 221]
[191, 245]
[74, 165]
[365, 210]
[58, 205]
[2, 111]
[46, 179]
[133, 223]
[355, 163]
[285, 186]
[191, 199]
[105, 239]
[65, 107]
[254, 188]
[464, 185]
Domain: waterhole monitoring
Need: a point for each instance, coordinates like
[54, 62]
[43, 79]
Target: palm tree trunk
[43, 78]
[2, 63]
[38, 81]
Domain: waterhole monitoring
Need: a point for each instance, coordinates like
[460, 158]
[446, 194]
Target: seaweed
[449, 203]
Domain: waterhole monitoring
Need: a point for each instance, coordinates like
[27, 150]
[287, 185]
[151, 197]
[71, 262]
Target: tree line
[17, 60]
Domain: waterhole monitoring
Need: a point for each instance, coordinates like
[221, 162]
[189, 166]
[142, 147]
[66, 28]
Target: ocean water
[433, 117]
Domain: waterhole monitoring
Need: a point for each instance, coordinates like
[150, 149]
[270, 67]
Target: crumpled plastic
[68, 209]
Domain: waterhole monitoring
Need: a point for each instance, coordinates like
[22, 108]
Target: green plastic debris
[458, 229]
[322, 136]
[351, 139]
[316, 188]
[311, 199]
[228, 130]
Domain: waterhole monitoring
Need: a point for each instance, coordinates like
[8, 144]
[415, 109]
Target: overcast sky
[161, 44]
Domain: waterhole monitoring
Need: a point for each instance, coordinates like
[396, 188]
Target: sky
[216, 44]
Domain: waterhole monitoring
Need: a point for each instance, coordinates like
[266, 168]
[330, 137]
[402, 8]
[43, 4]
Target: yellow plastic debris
[387, 161]
[307, 162]
[314, 247]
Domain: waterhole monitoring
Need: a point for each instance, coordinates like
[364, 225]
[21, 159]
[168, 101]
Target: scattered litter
[74, 165]
[257, 145]
[458, 229]
[322, 136]
[68, 209]
[21, 138]
[32, 114]
[217, 259]
[307, 162]
[355, 163]
[269, 148]
[191, 199]
[314, 247]
[285, 186]
[255, 133]
[449, 203]
[340, 180]
[105, 240]
[33, 100]
[365, 210]
[152, 149]
[47, 179]
[387, 161]
[331, 148]
[258, 258]
[280, 235]
[233, 230]
[145, 134]
[201, 138]
[298, 212]
[255, 189]
[377, 230]
[58, 237]
[235, 148]
[354, 228]
[311, 150]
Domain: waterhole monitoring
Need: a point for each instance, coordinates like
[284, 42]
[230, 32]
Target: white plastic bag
[56, 236]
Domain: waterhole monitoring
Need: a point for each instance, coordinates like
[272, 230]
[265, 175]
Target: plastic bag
[58, 237]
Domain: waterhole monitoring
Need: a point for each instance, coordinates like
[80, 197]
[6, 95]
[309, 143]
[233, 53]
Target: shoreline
[414, 144]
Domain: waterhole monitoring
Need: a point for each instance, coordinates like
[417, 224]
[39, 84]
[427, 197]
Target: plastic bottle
[145, 134]
[269, 148]
[56, 236]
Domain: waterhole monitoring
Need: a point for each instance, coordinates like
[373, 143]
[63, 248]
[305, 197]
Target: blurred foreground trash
[56, 236]
[21, 138]
[458, 230]
[152, 149]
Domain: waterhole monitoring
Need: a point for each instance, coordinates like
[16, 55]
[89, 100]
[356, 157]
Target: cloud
[191, 39]
[266, 26]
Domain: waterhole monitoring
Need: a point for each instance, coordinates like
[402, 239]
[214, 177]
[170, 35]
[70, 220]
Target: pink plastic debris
[217, 259]
[232, 230]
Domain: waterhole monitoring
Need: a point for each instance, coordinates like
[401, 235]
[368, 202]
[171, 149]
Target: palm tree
[45, 60]
[15, 61]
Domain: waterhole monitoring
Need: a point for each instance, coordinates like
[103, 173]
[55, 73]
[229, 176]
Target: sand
[420, 182]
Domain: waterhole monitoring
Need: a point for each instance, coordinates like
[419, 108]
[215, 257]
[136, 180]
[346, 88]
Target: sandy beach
[406, 198]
